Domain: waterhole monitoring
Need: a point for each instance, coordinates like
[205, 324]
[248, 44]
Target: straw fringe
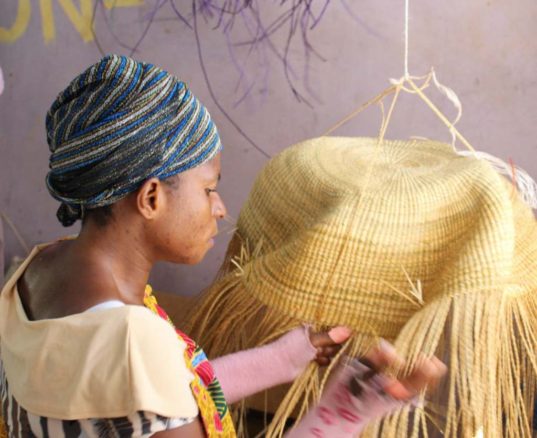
[492, 369]
[487, 337]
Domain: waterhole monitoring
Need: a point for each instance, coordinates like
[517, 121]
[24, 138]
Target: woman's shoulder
[128, 358]
[58, 282]
[154, 355]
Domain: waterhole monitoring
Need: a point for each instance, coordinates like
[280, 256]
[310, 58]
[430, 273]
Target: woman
[85, 348]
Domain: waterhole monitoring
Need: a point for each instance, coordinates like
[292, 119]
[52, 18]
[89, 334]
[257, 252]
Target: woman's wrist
[352, 399]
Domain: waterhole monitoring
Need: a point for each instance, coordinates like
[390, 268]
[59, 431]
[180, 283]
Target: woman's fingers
[397, 390]
[382, 357]
[323, 361]
[326, 354]
[320, 339]
[426, 374]
[329, 351]
[328, 343]
[334, 336]
[339, 334]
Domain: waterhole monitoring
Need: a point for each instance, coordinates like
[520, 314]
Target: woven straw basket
[404, 240]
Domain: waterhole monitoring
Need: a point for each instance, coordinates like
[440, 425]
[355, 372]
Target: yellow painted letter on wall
[47, 20]
[109, 4]
[81, 19]
[13, 33]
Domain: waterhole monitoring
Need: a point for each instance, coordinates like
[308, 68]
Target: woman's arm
[247, 372]
[346, 408]
[358, 395]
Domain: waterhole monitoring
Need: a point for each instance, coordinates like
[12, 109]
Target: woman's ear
[150, 198]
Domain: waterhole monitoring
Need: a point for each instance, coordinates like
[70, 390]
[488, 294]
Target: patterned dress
[205, 387]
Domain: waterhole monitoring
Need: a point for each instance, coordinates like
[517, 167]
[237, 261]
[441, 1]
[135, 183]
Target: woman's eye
[209, 191]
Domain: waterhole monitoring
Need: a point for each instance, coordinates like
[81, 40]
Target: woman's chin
[194, 259]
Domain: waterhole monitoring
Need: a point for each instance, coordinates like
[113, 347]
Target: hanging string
[522, 181]
[446, 91]
[450, 94]
[406, 83]
[406, 38]
[353, 114]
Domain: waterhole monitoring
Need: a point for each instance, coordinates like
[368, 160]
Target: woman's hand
[328, 343]
[426, 373]
[360, 391]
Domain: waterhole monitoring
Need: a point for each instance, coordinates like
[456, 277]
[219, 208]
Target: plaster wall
[484, 49]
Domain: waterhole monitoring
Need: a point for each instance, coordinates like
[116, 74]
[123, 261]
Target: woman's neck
[121, 254]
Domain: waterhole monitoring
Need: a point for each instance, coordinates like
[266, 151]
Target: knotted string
[522, 181]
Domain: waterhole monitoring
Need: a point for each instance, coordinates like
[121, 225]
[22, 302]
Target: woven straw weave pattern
[336, 240]
[404, 240]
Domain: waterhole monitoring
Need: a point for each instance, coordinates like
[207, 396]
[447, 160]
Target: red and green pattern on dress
[205, 386]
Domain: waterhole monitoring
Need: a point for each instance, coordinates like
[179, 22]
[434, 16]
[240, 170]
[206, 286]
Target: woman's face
[192, 208]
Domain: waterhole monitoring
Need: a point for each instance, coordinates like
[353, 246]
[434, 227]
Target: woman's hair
[117, 124]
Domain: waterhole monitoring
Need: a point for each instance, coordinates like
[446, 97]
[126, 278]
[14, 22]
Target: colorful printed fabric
[205, 386]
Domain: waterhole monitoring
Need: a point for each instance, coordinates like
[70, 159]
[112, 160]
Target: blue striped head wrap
[116, 125]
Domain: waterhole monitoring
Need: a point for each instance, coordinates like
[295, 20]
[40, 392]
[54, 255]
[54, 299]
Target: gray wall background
[485, 50]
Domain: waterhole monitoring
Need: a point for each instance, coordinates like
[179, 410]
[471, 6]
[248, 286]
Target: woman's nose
[219, 208]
